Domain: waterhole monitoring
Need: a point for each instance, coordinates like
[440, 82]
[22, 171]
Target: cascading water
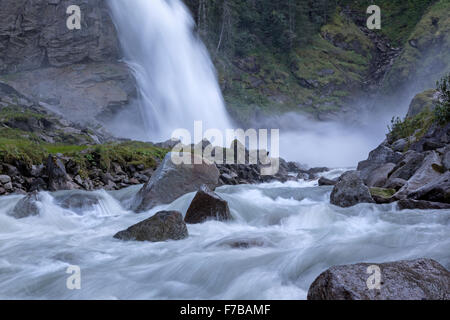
[173, 70]
[282, 237]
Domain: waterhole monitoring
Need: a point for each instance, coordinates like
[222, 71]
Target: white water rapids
[293, 232]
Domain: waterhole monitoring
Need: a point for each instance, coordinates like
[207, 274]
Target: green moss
[417, 126]
[382, 192]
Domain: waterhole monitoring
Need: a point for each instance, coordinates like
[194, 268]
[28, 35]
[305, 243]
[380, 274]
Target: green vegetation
[426, 53]
[442, 110]
[418, 124]
[100, 156]
[382, 192]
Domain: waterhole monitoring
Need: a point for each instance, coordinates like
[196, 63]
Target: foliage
[442, 110]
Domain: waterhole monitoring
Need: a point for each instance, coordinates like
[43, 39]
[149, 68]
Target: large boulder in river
[170, 181]
[26, 207]
[350, 190]
[207, 205]
[421, 279]
[163, 226]
[379, 176]
[421, 205]
[377, 158]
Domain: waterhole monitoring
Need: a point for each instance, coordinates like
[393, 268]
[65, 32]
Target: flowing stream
[174, 73]
[282, 237]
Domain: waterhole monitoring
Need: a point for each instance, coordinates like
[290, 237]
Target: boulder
[4, 179]
[428, 172]
[350, 190]
[377, 158]
[327, 182]
[207, 205]
[78, 202]
[163, 226]
[57, 175]
[379, 176]
[421, 205]
[170, 181]
[26, 207]
[408, 165]
[437, 190]
[395, 183]
[421, 279]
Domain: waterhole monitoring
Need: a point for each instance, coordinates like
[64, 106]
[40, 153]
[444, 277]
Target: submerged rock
[170, 181]
[26, 207]
[350, 190]
[207, 205]
[327, 182]
[78, 202]
[163, 226]
[421, 279]
[421, 205]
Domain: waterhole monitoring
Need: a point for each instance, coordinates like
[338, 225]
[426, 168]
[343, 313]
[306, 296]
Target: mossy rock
[424, 101]
[382, 192]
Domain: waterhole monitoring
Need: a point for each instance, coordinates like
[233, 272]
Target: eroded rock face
[170, 181]
[437, 190]
[34, 33]
[350, 190]
[207, 205]
[421, 279]
[163, 226]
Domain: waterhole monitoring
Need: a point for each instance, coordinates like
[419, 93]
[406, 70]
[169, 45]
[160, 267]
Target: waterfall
[175, 76]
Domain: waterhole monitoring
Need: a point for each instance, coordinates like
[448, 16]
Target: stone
[4, 179]
[379, 176]
[327, 182]
[436, 191]
[421, 279]
[170, 181]
[350, 190]
[378, 157]
[421, 205]
[57, 176]
[207, 205]
[163, 226]
[427, 173]
[26, 207]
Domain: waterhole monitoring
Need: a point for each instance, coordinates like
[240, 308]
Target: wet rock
[437, 190]
[377, 158]
[379, 176]
[421, 279]
[207, 205]
[327, 182]
[170, 181]
[427, 173]
[163, 226]
[408, 165]
[57, 175]
[5, 179]
[421, 205]
[400, 145]
[26, 206]
[395, 183]
[78, 202]
[350, 190]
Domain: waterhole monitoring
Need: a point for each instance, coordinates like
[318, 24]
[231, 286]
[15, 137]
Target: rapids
[283, 236]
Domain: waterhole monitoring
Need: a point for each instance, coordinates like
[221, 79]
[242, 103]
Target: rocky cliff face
[71, 72]
[33, 34]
